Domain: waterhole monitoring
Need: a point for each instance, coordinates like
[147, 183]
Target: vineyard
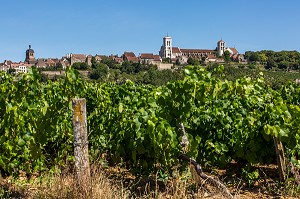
[138, 124]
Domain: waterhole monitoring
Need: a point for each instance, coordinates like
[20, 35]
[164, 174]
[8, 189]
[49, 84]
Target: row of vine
[138, 124]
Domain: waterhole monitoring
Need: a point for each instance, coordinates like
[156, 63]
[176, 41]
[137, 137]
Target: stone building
[182, 55]
[150, 58]
[81, 58]
[130, 57]
[166, 48]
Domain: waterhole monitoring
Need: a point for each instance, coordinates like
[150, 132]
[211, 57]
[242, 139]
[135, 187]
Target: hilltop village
[166, 59]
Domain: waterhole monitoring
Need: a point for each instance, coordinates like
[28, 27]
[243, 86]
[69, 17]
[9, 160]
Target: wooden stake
[280, 159]
[82, 165]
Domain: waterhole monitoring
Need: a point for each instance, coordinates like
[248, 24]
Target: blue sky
[57, 27]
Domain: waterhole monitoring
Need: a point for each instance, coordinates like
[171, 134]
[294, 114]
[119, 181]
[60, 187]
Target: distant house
[99, 58]
[238, 58]
[130, 57]
[146, 57]
[116, 58]
[211, 58]
[52, 62]
[74, 58]
[3, 67]
[119, 60]
[21, 69]
[41, 63]
[64, 62]
[18, 66]
[7, 62]
[81, 58]
[157, 59]
[47, 62]
[150, 58]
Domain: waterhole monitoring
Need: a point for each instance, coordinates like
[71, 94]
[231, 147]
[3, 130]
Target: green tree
[193, 61]
[11, 71]
[283, 65]
[227, 56]
[93, 61]
[127, 67]
[99, 72]
[58, 66]
[270, 63]
[254, 57]
[166, 60]
[263, 58]
[80, 66]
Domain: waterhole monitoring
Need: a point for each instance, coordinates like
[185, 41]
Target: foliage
[227, 56]
[166, 60]
[193, 62]
[271, 59]
[275, 79]
[138, 124]
[99, 71]
[80, 66]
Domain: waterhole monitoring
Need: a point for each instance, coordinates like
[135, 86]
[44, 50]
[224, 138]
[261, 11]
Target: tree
[11, 71]
[127, 67]
[192, 61]
[283, 65]
[166, 60]
[93, 61]
[227, 56]
[99, 72]
[271, 63]
[263, 58]
[80, 66]
[252, 56]
[59, 66]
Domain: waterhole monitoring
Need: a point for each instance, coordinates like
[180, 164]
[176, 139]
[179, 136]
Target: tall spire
[29, 46]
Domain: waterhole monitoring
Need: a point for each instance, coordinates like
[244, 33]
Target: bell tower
[221, 47]
[29, 55]
[166, 48]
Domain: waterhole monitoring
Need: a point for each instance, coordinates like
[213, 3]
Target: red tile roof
[78, 56]
[146, 56]
[129, 54]
[118, 59]
[234, 50]
[132, 59]
[175, 50]
[157, 58]
[211, 56]
[196, 51]
[7, 62]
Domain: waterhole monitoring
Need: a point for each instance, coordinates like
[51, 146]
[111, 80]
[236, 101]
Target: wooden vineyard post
[280, 159]
[82, 165]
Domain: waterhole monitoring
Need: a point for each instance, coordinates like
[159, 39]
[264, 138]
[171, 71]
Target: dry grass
[108, 184]
[60, 186]
[64, 186]
[117, 183]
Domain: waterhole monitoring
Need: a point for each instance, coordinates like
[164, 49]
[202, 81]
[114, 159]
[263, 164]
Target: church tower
[30, 55]
[221, 47]
[166, 48]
